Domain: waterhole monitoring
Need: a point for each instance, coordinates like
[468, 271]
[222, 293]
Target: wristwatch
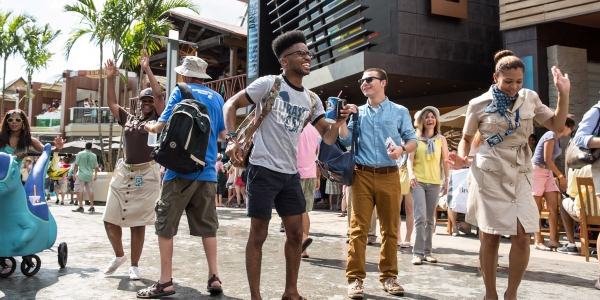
[230, 135]
[403, 149]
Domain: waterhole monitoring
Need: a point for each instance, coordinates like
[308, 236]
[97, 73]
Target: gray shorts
[83, 186]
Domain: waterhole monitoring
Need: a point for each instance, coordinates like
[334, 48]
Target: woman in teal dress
[15, 136]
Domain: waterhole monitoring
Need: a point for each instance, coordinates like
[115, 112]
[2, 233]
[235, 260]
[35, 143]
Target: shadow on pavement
[19, 286]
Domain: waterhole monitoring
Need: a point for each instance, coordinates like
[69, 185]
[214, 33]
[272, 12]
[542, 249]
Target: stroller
[27, 225]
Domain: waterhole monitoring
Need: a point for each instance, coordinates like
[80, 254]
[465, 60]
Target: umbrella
[455, 118]
[115, 146]
[76, 146]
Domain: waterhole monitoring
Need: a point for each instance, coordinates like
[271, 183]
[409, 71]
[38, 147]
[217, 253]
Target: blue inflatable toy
[27, 225]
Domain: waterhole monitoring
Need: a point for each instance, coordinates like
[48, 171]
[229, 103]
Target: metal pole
[172, 57]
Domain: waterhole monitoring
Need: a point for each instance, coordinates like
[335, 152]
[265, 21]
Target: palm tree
[11, 40]
[36, 53]
[154, 20]
[94, 24]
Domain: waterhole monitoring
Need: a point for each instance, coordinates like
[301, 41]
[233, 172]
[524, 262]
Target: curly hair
[24, 136]
[286, 40]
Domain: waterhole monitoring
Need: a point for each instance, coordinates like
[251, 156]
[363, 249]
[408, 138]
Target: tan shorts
[198, 202]
[62, 186]
[128, 205]
[308, 189]
[83, 186]
[569, 205]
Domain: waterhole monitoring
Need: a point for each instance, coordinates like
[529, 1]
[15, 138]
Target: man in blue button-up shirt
[376, 180]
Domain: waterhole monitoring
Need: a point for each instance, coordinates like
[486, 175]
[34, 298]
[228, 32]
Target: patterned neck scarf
[501, 101]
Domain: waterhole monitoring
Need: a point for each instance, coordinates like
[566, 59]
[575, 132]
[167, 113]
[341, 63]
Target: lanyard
[510, 126]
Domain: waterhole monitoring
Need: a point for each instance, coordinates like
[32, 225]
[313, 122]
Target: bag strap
[270, 100]
[185, 90]
[355, 134]
[598, 122]
[313, 100]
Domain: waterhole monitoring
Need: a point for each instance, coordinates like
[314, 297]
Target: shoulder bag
[335, 162]
[577, 157]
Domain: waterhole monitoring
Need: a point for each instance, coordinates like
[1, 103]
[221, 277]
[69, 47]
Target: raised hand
[59, 143]
[562, 83]
[145, 60]
[110, 67]
[456, 161]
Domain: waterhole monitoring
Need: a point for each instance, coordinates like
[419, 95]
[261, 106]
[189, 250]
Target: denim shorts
[265, 187]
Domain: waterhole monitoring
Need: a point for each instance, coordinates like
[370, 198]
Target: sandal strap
[213, 279]
[156, 288]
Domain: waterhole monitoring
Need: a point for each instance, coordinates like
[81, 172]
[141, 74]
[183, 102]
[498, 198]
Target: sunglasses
[368, 79]
[15, 120]
[301, 53]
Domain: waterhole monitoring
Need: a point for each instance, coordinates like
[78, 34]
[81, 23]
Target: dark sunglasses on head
[16, 120]
[301, 53]
[368, 79]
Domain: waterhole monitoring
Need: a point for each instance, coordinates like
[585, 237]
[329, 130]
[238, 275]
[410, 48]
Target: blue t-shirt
[538, 155]
[214, 103]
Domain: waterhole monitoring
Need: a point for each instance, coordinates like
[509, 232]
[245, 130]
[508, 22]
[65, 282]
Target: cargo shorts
[198, 202]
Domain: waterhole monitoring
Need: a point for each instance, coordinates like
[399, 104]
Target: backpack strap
[270, 100]
[185, 90]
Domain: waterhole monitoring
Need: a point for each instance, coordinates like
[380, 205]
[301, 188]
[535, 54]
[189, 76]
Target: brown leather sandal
[286, 298]
[214, 289]
[156, 291]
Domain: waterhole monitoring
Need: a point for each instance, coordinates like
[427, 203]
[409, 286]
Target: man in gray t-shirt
[273, 170]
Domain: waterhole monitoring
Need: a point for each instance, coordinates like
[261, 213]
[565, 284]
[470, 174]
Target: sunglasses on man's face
[368, 79]
[301, 53]
[14, 120]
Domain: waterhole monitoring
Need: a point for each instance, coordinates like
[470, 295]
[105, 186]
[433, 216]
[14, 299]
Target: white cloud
[84, 54]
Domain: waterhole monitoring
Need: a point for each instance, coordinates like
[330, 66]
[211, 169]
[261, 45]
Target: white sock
[120, 258]
[570, 245]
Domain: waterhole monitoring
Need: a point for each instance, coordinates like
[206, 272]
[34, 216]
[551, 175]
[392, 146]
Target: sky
[85, 55]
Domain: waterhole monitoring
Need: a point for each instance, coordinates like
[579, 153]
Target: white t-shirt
[276, 140]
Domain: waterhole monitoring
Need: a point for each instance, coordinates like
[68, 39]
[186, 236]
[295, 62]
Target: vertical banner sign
[528, 76]
[253, 39]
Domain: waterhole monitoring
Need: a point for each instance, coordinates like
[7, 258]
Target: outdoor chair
[589, 213]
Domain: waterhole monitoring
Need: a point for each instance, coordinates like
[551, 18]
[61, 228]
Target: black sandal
[286, 298]
[214, 289]
[156, 291]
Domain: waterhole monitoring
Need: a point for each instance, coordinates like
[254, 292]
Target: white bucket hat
[193, 66]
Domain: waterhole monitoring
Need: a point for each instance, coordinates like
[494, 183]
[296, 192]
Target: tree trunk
[99, 114]
[3, 87]
[27, 102]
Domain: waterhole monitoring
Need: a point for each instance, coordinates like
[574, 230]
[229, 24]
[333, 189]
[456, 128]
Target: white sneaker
[114, 265]
[134, 273]
[597, 286]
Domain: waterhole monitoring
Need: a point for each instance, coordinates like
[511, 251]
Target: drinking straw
[34, 193]
[340, 93]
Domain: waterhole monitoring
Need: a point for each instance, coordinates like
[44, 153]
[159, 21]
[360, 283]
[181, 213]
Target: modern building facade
[435, 52]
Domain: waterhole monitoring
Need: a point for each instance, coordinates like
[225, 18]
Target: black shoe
[57, 201]
[80, 209]
[281, 229]
[568, 250]
[92, 209]
[71, 202]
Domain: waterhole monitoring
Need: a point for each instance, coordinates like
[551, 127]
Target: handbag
[577, 157]
[245, 132]
[335, 162]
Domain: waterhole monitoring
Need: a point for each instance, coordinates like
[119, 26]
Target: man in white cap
[197, 201]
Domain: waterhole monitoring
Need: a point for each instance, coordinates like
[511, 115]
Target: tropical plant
[92, 23]
[11, 40]
[153, 20]
[36, 53]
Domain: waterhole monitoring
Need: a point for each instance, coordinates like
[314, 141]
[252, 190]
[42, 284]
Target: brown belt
[382, 170]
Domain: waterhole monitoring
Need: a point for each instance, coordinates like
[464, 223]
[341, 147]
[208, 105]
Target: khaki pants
[369, 190]
[373, 225]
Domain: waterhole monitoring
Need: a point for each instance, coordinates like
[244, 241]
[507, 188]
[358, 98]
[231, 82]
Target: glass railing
[90, 115]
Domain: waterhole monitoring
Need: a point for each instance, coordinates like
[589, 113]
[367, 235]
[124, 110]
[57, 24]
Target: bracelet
[403, 149]
[561, 176]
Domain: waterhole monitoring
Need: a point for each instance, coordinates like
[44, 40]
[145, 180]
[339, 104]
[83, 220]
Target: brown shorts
[198, 201]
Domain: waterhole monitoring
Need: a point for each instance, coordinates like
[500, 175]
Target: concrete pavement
[322, 276]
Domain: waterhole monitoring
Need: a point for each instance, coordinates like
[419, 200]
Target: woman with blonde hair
[424, 170]
[500, 200]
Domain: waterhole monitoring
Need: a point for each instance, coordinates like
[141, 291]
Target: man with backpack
[192, 192]
[273, 167]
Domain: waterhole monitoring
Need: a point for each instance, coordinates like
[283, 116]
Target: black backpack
[183, 141]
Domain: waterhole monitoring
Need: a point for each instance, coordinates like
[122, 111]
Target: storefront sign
[450, 8]
[94, 73]
[253, 27]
